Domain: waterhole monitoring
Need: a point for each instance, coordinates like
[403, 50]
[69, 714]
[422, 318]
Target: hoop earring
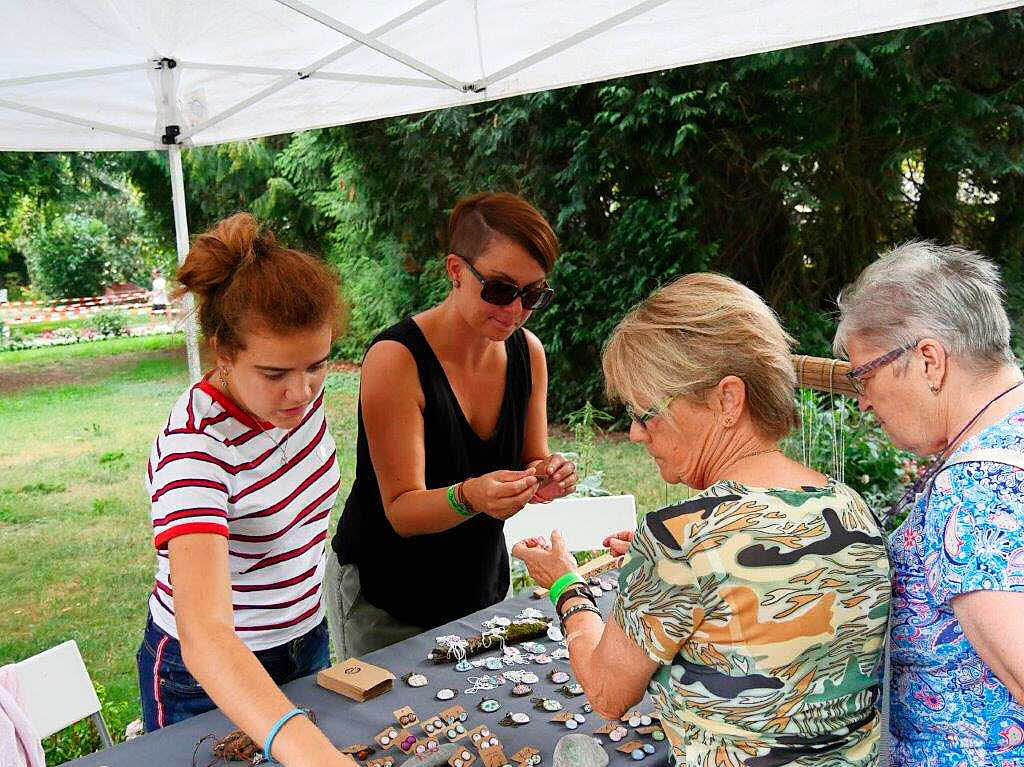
[934, 389]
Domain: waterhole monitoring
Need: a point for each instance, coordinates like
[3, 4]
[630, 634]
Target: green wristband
[457, 507]
[562, 584]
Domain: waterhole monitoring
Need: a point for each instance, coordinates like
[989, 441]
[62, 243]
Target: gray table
[346, 722]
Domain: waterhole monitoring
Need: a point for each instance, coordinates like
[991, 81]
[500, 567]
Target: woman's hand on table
[561, 478]
[546, 562]
[500, 494]
[619, 543]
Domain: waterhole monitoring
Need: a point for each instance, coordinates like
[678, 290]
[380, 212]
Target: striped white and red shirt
[269, 491]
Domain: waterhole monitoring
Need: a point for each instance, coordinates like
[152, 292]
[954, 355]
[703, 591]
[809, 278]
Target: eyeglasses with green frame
[642, 417]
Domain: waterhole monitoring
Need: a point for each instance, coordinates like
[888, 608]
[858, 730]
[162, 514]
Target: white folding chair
[584, 522]
[57, 691]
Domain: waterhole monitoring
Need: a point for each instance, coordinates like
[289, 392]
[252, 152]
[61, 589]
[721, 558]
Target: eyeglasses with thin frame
[642, 417]
[856, 375]
[502, 292]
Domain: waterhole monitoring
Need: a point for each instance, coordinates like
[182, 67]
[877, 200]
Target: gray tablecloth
[346, 722]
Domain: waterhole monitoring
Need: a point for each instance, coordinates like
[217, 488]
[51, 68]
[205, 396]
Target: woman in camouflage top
[755, 611]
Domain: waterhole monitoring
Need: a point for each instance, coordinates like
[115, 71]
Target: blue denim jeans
[170, 693]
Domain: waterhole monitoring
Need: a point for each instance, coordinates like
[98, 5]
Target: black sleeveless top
[428, 580]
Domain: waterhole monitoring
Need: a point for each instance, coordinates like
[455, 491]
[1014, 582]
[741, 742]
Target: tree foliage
[788, 170]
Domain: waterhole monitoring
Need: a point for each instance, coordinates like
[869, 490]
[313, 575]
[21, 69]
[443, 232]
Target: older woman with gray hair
[755, 611]
[929, 344]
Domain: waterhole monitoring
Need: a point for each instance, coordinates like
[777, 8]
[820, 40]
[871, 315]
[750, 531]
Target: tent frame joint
[171, 133]
[477, 87]
[165, 63]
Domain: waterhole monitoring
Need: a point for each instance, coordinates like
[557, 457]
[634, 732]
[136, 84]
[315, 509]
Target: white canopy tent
[166, 74]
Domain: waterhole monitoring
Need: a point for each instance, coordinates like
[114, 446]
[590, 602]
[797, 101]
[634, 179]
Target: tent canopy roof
[112, 74]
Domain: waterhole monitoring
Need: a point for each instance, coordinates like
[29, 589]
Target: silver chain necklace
[278, 446]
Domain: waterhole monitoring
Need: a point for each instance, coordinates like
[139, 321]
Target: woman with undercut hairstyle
[242, 480]
[929, 341]
[453, 437]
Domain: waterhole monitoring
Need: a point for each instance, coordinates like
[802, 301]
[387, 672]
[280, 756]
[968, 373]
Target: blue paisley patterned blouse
[948, 709]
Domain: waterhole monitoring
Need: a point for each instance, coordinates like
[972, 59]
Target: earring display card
[356, 679]
[463, 758]
[405, 716]
[493, 756]
[525, 755]
[391, 737]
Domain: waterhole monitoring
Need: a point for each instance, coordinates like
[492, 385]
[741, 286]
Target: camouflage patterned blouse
[766, 610]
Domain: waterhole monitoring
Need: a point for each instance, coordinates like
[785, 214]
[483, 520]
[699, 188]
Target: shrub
[68, 258]
[110, 323]
[873, 466]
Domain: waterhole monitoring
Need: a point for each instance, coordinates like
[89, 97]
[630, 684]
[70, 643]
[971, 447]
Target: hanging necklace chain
[745, 457]
[940, 459]
[278, 446]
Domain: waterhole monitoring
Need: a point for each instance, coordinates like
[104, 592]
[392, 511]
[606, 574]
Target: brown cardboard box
[356, 679]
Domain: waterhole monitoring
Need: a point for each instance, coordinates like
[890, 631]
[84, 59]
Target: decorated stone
[559, 677]
[547, 704]
[489, 705]
[542, 659]
[555, 634]
[515, 719]
[463, 665]
[534, 648]
[445, 694]
[578, 750]
[521, 690]
[415, 680]
[494, 664]
[529, 677]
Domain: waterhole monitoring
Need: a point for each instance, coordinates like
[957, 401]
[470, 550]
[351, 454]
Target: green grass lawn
[76, 559]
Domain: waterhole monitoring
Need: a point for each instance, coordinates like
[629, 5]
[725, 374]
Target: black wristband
[580, 608]
[575, 590]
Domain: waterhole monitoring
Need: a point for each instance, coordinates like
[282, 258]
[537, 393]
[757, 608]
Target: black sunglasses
[502, 293]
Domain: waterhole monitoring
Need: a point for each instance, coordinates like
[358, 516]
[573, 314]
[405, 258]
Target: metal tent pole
[181, 238]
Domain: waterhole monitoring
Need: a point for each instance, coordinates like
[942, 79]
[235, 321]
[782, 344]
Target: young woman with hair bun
[242, 480]
[452, 437]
